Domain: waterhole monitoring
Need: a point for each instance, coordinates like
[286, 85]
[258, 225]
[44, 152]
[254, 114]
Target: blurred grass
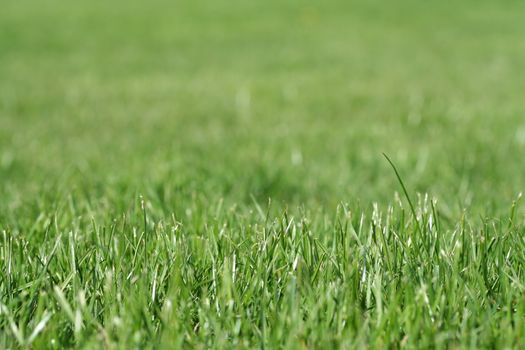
[289, 100]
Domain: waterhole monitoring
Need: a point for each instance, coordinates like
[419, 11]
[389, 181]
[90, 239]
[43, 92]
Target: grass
[210, 174]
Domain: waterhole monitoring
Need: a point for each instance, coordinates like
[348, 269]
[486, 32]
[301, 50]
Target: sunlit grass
[211, 175]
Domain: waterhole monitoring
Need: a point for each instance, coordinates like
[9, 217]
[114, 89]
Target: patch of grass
[235, 278]
[210, 174]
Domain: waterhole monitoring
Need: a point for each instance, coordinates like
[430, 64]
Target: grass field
[210, 174]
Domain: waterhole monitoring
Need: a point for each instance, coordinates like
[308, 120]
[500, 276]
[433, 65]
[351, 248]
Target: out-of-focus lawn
[290, 100]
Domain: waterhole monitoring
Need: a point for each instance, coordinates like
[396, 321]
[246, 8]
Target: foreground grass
[226, 278]
[140, 144]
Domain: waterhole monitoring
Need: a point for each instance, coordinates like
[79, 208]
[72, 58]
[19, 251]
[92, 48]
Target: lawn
[210, 174]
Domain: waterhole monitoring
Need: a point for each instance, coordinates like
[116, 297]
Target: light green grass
[210, 174]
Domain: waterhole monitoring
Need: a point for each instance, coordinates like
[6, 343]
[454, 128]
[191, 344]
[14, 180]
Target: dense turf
[210, 174]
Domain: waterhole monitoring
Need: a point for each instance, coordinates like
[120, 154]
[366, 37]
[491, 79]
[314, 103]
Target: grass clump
[352, 278]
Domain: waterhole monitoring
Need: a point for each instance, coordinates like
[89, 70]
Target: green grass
[210, 174]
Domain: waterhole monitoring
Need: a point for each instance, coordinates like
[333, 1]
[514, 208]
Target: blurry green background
[190, 102]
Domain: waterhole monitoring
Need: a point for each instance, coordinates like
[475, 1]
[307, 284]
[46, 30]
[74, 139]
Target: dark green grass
[210, 174]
